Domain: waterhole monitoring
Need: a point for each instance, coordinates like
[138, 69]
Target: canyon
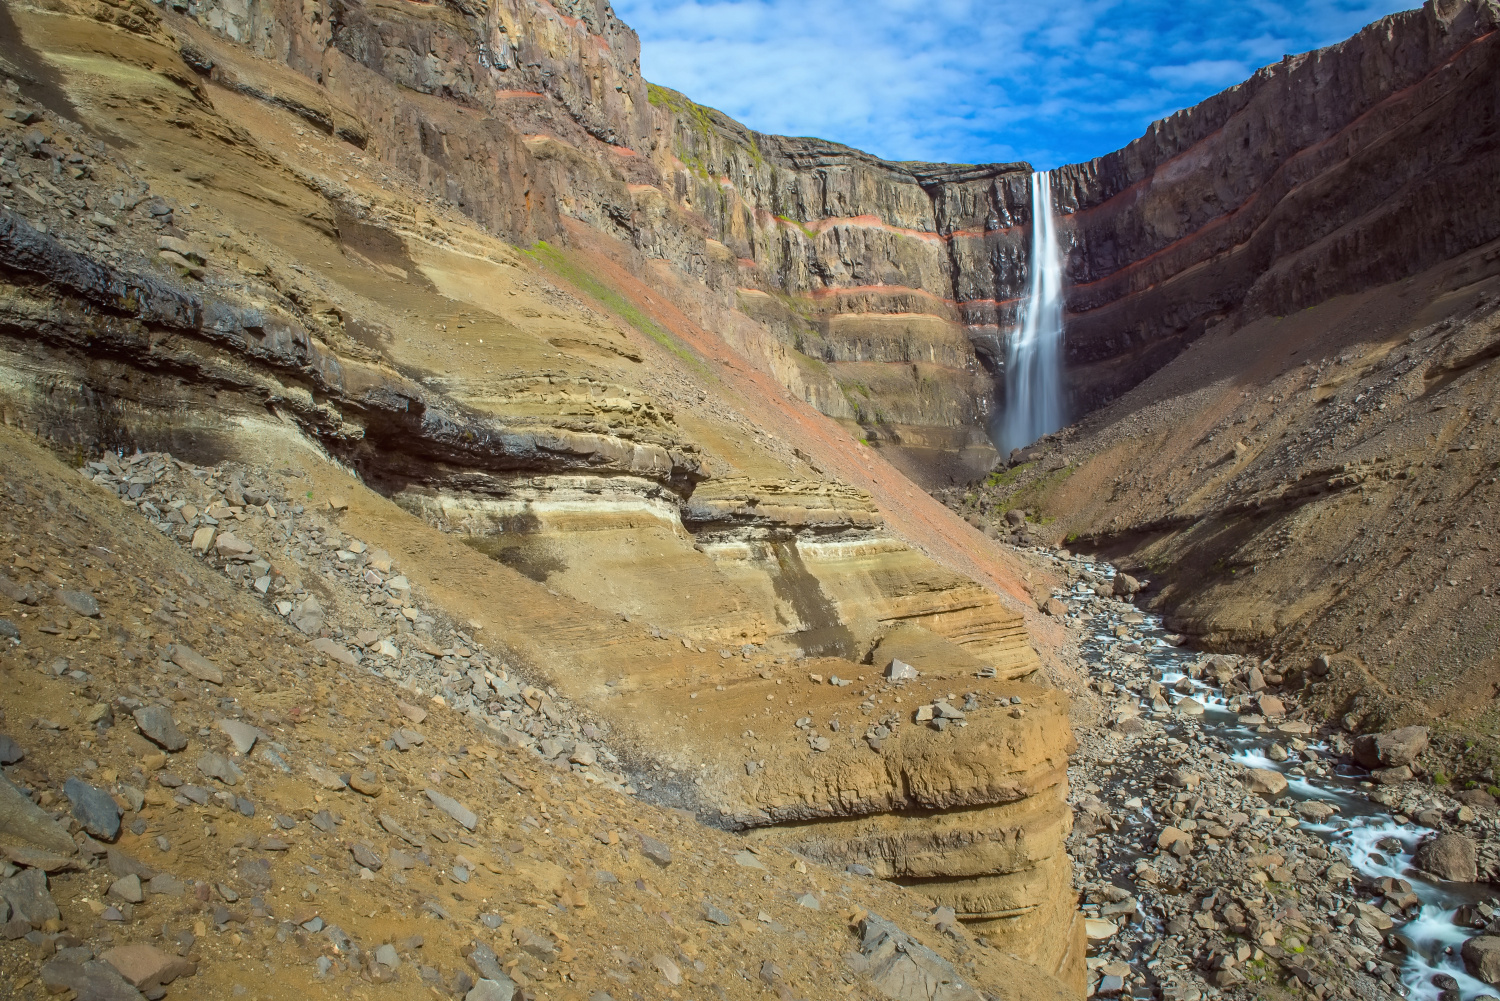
[657, 405]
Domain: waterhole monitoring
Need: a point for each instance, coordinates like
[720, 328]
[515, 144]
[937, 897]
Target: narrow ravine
[1225, 843]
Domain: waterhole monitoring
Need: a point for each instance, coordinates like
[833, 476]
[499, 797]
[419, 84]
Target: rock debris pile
[1227, 845]
[248, 524]
[204, 791]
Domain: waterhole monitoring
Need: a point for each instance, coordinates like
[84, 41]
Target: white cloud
[971, 81]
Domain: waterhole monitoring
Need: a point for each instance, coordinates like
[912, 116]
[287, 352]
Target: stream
[1375, 842]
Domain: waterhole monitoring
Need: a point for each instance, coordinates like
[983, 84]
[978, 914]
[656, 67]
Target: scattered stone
[128, 888]
[307, 616]
[94, 808]
[196, 664]
[325, 777]
[10, 751]
[335, 651]
[492, 990]
[93, 980]
[81, 602]
[29, 899]
[156, 723]
[144, 966]
[655, 850]
[365, 857]
[242, 735]
[216, 766]
[899, 670]
[453, 808]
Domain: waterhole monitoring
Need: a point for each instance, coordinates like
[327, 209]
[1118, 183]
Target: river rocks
[157, 725]
[1265, 782]
[1482, 958]
[1448, 856]
[1390, 750]
[94, 808]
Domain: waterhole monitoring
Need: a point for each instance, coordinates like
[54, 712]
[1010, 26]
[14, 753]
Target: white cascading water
[1033, 355]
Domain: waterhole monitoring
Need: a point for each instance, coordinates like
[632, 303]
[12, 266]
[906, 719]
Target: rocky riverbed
[1228, 845]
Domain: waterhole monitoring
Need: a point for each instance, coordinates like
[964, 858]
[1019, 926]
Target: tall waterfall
[1033, 355]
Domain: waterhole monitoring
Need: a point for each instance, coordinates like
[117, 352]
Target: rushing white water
[1364, 833]
[1033, 355]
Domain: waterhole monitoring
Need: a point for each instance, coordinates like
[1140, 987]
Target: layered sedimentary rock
[650, 523]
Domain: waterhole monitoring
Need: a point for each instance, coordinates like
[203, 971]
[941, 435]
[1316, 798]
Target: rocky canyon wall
[881, 292]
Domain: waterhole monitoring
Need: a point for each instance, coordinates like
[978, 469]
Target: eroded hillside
[211, 254]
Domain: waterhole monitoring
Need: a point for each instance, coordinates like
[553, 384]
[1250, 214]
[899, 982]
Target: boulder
[1265, 781]
[1126, 585]
[1392, 749]
[1449, 856]
[1482, 958]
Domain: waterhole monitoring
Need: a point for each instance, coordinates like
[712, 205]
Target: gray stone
[486, 963]
[128, 889]
[196, 664]
[93, 981]
[492, 990]
[242, 735]
[453, 808]
[810, 902]
[80, 602]
[899, 670]
[8, 630]
[216, 766]
[307, 616]
[94, 808]
[10, 751]
[1392, 749]
[28, 897]
[713, 914]
[906, 970]
[386, 956]
[156, 723]
[1449, 856]
[365, 857]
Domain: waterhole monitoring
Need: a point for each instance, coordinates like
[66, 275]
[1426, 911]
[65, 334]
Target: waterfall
[1033, 355]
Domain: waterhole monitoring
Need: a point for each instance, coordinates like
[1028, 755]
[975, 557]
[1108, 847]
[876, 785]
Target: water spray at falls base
[1033, 403]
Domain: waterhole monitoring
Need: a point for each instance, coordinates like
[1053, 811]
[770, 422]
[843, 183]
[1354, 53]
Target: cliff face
[881, 292]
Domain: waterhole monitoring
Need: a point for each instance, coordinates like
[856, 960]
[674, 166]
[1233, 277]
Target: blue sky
[1049, 81]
